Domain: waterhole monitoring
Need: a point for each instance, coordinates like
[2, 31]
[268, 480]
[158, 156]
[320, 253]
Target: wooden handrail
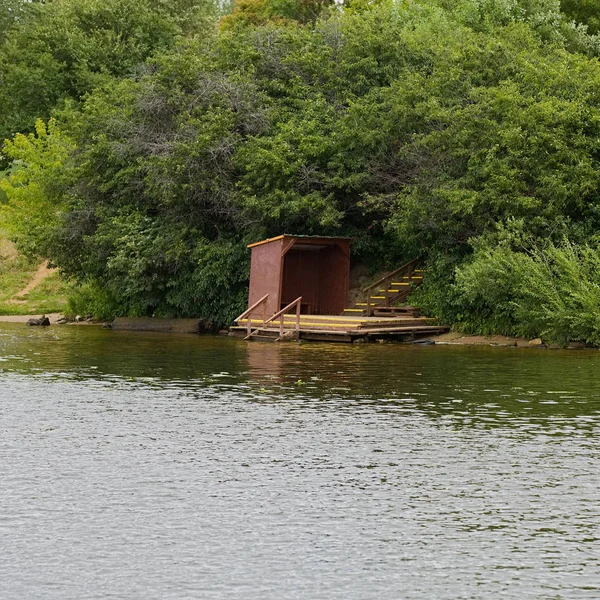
[297, 303]
[247, 312]
[405, 268]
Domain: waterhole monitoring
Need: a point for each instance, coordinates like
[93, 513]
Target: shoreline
[452, 338]
[455, 338]
[54, 318]
[24, 318]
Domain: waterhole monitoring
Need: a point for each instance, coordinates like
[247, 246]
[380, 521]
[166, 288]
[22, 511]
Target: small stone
[43, 321]
[224, 332]
[576, 346]
[358, 341]
[536, 343]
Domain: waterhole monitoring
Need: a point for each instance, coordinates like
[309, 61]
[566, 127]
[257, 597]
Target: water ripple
[174, 467]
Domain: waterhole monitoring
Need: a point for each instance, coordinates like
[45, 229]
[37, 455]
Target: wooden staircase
[385, 293]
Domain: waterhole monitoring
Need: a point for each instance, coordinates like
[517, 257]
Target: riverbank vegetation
[149, 142]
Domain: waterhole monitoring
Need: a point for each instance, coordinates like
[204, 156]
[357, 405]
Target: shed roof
[324, 238]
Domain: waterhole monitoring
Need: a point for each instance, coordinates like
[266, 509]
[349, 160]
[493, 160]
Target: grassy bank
[18, 274]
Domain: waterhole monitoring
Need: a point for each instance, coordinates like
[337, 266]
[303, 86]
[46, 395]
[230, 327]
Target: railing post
[298, 307]
[280, 315]
[248, 314]
[386, 285]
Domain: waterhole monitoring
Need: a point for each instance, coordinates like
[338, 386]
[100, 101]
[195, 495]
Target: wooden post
[298, 307]
[386, 285]
[296, 303]
[248, 314]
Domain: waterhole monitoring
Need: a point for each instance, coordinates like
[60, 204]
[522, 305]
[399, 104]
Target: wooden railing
[296, 303]
[279, 315]
[248, 313]
[405, 271]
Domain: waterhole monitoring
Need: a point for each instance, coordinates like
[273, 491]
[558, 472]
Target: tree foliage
[586, 12]
[11, 14]
[32, 186]
[463, 132]
[259, 12]
[63, 49]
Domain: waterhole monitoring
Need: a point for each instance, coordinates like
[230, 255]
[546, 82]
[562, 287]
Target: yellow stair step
[303, 324]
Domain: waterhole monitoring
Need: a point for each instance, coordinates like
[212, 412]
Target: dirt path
[42, 273]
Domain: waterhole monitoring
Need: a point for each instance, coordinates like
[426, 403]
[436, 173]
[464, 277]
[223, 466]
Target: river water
[170, 466]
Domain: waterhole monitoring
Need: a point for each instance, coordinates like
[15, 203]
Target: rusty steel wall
[288, 267]
[265, 275]
[301, 270]
[335, 279]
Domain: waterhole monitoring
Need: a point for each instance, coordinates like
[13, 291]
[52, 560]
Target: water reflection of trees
[484, 387]
[95, 352]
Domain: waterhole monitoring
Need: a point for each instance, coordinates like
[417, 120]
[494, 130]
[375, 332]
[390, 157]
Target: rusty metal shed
[289, 266]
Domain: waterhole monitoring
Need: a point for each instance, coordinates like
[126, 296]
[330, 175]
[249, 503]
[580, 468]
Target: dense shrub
[552, 292]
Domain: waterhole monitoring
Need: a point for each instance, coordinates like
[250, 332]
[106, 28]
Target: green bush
[552, 292]
[93, 299]
[485, 290]
[560, 295]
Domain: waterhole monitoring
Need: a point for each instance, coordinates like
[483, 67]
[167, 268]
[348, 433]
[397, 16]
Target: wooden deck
[343, 328]
[378, 318]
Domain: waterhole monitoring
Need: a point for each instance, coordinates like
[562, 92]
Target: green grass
[16, 272]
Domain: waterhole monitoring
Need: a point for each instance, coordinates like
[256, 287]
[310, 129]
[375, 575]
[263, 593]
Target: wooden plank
[345, 319]
[400, 323]
[423, 329]
[308, 324]
[273, 239]
[348, 335]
